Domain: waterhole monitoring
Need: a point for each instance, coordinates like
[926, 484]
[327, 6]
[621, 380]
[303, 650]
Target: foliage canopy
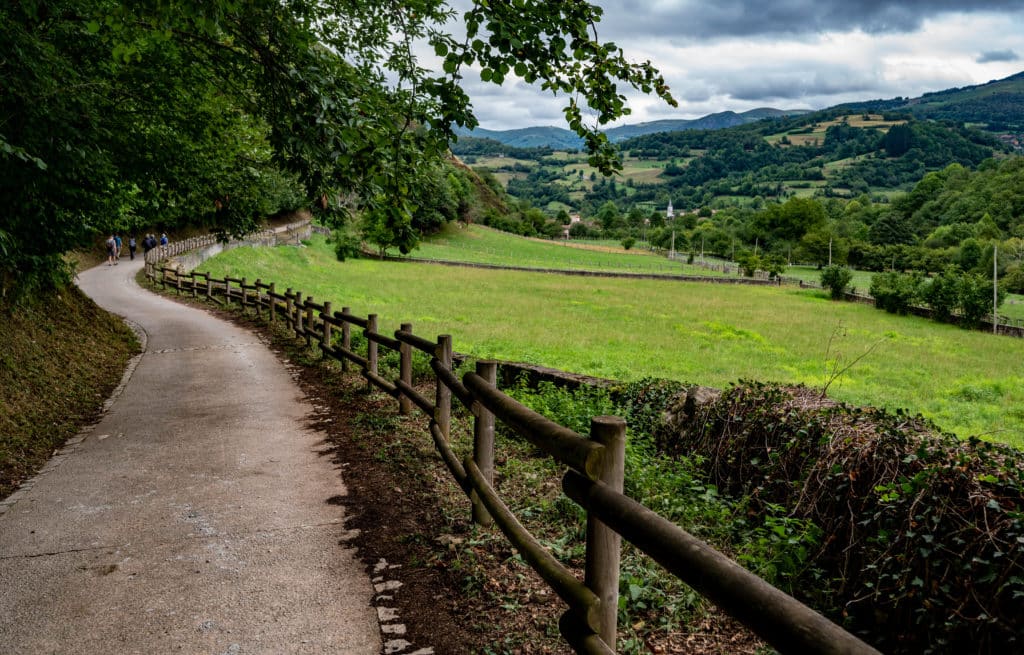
[117, 115]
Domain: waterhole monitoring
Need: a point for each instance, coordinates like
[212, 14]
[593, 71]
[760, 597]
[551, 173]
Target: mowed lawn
[971, 383]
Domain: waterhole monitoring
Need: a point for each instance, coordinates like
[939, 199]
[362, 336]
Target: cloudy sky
[808, 54]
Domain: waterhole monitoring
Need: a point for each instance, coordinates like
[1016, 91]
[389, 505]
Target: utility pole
[830, 251]
[672, 249]
[995, 289]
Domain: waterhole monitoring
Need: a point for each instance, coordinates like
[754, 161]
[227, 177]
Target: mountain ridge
[997, 104]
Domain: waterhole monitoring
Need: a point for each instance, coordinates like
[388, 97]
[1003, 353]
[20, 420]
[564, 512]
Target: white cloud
[796, 54]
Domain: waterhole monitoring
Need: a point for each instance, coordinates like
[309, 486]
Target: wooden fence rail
[594, 479]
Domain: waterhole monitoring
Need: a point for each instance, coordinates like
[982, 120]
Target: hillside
[829, 153]
[996, 106]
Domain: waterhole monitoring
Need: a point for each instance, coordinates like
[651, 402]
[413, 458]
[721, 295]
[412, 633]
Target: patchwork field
[969, 382]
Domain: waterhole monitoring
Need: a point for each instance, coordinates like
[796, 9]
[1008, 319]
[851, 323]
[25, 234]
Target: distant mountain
[997, 106]
[558, 138]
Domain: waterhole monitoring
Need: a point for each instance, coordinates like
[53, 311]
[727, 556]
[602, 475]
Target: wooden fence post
[177, 279]
[271, 304]
[604, 545]
[310, 323]
[405, 371]
[227, 291]
[298, 313]
[346, 337]
[209, 287]
[443, 402]
[371, 348]
[244, 294]
[257, 298]
[195, 291]
[483, 443]
[288, 306]
[325, 340]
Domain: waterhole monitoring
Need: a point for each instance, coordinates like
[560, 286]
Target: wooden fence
[594, 479]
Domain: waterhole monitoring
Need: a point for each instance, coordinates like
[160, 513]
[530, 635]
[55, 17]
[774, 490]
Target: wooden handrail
[589, 624]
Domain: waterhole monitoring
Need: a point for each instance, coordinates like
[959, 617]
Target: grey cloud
[761, 85]
[997, 55]
[690, 19]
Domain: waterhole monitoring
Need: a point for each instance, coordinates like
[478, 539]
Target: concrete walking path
[196, 517]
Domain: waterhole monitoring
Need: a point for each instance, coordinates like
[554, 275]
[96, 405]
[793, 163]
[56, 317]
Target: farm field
[970, 383]
[483, 245]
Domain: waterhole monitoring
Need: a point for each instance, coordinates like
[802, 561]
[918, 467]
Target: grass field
[483, 245]
[969, 382]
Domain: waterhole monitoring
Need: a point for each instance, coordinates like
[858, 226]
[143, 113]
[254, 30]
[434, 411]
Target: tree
[152, 111]
[836, 279]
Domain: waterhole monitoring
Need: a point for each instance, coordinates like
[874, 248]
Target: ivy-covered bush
[924, 532]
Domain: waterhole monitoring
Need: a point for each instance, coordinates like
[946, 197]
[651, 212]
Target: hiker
[131, 248]
[111, 250]
[163, 239]
[117, 251]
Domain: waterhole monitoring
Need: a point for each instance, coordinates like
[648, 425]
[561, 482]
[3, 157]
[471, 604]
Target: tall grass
[971, 383]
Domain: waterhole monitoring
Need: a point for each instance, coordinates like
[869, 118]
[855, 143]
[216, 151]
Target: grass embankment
[969, 382]
[61, 358]
[483, 245]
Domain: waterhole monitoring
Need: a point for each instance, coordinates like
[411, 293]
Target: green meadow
[483, 245]
[970, 383]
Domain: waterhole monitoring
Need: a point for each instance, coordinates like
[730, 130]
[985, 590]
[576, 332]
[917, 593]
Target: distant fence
[594, 479]
[194, 250]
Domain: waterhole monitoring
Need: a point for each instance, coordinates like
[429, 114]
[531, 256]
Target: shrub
[836, 278]
[924, 532]
[942, 293]
[975, 297]
[628, 242]
[896, 292]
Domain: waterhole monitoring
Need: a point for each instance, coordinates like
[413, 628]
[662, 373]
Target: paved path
[194, 518]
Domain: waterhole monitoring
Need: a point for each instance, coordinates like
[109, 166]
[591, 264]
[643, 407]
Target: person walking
[111, 249]
[131, 247]
[117, 252]
[163, 240]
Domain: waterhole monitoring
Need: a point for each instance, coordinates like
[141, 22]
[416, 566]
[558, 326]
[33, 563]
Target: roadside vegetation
[61, 357]
[968, 382]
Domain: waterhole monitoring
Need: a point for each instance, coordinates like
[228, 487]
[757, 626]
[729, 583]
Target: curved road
[198, 516]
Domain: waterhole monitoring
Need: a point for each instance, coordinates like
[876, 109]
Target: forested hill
[998, 106]
[838, 153]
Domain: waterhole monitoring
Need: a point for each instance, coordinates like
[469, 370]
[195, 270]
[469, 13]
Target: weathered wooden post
[405, 371]
[346, 336]
[325, 340]
[195, 291]
[298, 313]
[443, 398]
[259, 301]
[209, 287]
[271, 304]
[177, 280]
[371, 347]
[244, 294]
[227, 291]
[310, 324]
[483, 443]
[604, 545]
[288, 306]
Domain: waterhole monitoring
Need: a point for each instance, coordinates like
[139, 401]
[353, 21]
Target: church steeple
[669, 213]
